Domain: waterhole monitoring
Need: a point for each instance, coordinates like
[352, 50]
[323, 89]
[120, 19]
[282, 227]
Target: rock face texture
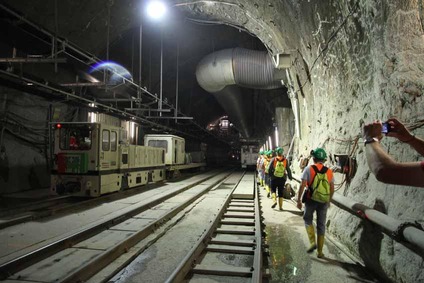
[352, 62]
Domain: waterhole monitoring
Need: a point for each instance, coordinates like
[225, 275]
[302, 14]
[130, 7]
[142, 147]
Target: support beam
[83, 84]
[148, 109]
[162, 117]
[32, 60]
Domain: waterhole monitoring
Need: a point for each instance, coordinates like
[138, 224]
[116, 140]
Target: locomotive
[92, 159]
[249, 155]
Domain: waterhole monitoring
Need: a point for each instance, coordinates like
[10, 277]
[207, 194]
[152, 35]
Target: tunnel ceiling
[191, 29]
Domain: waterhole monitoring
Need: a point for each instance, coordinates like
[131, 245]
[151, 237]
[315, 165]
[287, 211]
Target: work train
[249, 155]
[92, 159]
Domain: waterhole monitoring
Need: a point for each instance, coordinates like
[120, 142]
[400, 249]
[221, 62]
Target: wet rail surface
[82, 254]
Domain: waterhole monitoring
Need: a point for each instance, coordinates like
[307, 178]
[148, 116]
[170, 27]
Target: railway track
[236, 233]
[37, 210]
[78, 257]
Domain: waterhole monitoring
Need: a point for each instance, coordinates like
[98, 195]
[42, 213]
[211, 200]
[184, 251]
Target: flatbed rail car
[91, 159]
[176, 158]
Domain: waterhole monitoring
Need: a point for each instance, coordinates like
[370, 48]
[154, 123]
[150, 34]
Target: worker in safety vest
[278, 166]
[319, 181]
[267, 158]
[260, 168]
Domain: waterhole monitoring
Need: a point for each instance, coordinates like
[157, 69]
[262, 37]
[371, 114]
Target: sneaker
[268, 195]
[274, 205]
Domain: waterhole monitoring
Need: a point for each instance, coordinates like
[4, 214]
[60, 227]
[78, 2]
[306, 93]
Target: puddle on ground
[288, 261]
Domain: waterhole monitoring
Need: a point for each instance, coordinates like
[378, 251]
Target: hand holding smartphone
[386, 128]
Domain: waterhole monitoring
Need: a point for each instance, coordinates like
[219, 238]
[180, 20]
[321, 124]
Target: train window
[75, 137]
[159, 143]
[113, 141]
[105, 140]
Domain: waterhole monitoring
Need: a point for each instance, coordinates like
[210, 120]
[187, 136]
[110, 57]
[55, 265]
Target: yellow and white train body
[92, 159]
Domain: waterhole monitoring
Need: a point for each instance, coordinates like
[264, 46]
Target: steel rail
[48, 207]
[15, 265]
[189, 260]
[254, 272]
[257, 273]
[98, 263]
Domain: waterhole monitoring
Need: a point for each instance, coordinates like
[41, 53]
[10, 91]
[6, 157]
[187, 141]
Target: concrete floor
[288, 260]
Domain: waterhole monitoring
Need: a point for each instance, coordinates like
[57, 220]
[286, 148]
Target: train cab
[91, 159]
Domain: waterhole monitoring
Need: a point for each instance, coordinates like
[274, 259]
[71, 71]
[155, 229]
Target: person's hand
[372, 130]
[299, 204]
[398, 130]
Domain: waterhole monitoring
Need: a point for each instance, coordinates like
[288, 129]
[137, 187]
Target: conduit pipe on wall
[295, 105]
[408, 233]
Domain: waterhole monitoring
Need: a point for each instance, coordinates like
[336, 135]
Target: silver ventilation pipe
[242, 67]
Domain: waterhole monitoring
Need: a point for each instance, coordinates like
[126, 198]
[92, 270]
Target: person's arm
[299, 196]
[384, 167]
[417, 144]
[289, 173]
[389, 171]
[399, 131]
[271, 167]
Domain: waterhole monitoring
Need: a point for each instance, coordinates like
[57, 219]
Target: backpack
[279, 168]
[320, 186]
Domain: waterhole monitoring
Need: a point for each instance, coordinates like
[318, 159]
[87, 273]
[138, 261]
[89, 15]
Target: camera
[386, 128]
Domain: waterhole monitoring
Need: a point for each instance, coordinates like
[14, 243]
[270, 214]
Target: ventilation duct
[242, 67]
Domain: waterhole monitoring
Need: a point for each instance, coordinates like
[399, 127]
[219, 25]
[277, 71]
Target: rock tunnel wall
[353, 62]
[24, 138]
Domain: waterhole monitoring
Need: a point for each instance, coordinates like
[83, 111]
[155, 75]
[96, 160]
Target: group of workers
[318, 179]
[273, 172]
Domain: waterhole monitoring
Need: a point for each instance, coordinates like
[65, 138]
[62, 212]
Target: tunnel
[225, 74]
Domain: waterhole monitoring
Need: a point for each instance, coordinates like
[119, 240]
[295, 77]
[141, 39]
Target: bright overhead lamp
[156, 9]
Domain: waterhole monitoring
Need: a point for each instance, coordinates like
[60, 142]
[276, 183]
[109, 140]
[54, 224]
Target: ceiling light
[156, 10]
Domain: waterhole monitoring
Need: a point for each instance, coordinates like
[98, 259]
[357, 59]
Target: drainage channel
[232, 249]
[77, 257]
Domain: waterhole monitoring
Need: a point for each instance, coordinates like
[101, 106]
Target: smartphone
[386, 128]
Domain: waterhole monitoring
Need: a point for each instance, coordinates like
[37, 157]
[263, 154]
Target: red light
[58, 126]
